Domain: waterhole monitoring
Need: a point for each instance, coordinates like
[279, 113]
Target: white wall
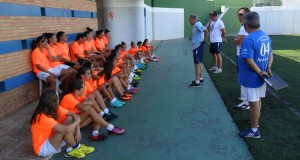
[168, 23]
[149, 22]
[128, 22]
[290, 2]
[279, 20]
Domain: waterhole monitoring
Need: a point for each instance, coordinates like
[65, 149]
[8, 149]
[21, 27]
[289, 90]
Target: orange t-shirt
[99, 44]
[101, 80]
[123, 54]
[93, 84]
[149, 46]
[116, 70]
[133, 51]
[77, 48]
[89, 45]
[69, 102]
[144, 49]
[64, 49]
[42, 129]
[120, 61]
[105, 40]
[55, 52]
[41, 58]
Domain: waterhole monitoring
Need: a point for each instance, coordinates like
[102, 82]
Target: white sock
[142, 60]
[130, 80]
[106, 111]
[254, 129]
[69, 149]
[101, 113]
[95, 133]
[135, 67]
[128, 87]
[152, 56]
[113, 100]
[154, 60]
[131, 74]
[201, 78]
[110, 127]
[197, 81]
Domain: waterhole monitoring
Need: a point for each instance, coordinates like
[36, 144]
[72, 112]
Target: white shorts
[253, 94]
[47, 149]
[56, 71]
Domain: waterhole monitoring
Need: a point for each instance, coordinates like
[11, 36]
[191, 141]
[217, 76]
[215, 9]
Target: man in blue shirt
[254, 61]
[198, 39]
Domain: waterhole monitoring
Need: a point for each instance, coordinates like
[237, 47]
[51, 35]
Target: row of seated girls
[88, 72]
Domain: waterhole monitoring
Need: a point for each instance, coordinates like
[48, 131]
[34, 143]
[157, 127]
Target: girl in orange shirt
[85, 75]
[106, 37]
[86, 112]
[52, 126]
[55, 54]
[77, 49]
[149, 49]
[100, 45]
[90, 48]
[64, 49]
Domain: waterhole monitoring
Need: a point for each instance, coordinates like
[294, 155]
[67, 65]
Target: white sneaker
[218, 71]
[242, 105]
[213, 68]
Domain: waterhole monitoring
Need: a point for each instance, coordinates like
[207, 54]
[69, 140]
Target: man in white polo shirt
[217, 32]
[238, 41]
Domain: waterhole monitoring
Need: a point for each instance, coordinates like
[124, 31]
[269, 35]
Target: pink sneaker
[117, 130]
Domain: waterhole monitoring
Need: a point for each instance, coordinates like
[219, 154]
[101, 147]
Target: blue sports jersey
[257, 46]
[198, 34]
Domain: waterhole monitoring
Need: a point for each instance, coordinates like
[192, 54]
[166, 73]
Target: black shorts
[198, 54]
[215, 48]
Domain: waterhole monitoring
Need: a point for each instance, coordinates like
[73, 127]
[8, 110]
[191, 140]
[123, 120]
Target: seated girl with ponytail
[100, 46]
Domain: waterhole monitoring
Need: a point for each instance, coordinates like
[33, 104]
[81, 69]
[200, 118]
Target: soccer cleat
[194, 84]
[85, 149]
[125, 98]
[107, 117]
[218, 71]
[99, 137]
[250, 134]
[242, 105]
[114, 116]
[117, 130]
[75, 153]
[135, 78]
[213, 68]
[116, 104]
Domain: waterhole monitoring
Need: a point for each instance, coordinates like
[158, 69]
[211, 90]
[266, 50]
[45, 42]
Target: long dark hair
[82, 71]
[144, 43]
[47, 105]
[99, 32]
[80, 35]
[59, 35]
[108, 68]
[38, 40]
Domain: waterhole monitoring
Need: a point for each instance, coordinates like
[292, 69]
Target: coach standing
[198, 39]
[254, 61]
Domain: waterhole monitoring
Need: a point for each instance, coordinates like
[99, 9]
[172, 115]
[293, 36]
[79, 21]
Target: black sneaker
[202, 80]
[137, 73]
[111, 114]
[194, 84]
[107, 117]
